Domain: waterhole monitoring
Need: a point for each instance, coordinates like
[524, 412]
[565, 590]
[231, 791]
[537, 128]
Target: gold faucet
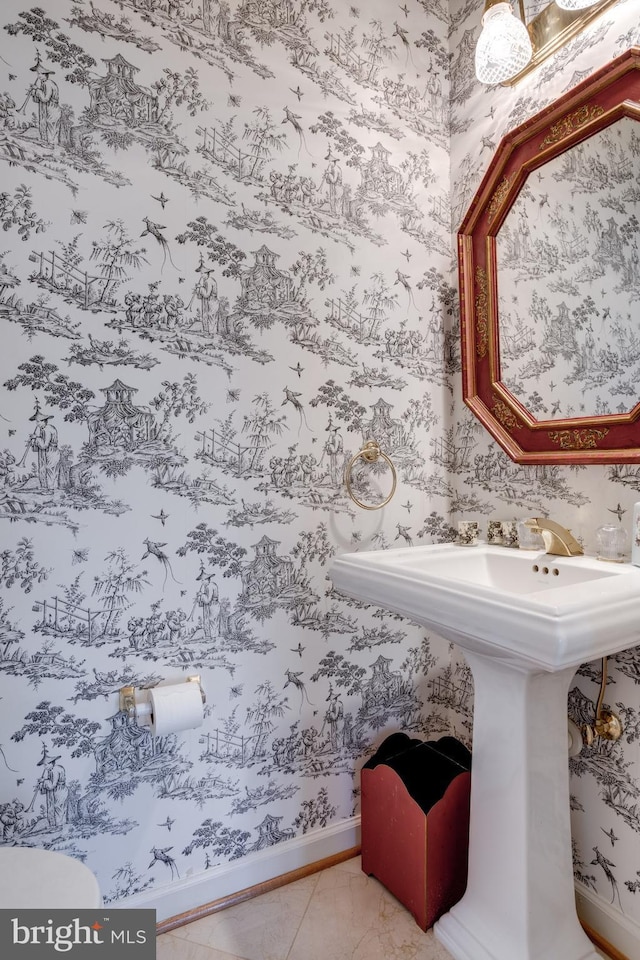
[557, 540]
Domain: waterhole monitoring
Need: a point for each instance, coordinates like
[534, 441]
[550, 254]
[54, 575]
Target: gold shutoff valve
[606, 724]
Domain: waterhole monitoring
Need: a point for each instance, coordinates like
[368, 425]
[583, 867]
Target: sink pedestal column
[520, 900]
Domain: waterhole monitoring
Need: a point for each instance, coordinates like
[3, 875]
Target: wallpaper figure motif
[235, 264]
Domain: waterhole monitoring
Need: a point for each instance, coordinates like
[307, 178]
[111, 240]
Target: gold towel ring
[370, 452]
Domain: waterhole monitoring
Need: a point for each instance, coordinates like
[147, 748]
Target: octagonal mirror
[549, 258]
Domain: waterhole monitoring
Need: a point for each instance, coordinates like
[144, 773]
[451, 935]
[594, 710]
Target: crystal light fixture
[509, 37]
[504, 47]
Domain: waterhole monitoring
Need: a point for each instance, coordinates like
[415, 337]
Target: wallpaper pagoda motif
[227, 264]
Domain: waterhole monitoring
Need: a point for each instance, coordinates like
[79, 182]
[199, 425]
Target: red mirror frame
[608, 95]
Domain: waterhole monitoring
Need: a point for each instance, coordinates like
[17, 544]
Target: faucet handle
[529, 536]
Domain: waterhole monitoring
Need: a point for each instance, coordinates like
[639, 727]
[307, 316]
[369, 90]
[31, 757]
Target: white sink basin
[525, 621]
[549, 612]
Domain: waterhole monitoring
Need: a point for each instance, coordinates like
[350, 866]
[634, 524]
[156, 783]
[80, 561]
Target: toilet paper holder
[135, 701]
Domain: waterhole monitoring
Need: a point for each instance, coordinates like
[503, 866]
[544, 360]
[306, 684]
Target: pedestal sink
[525, 621]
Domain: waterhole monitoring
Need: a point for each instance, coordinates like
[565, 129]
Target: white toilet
[41, 879]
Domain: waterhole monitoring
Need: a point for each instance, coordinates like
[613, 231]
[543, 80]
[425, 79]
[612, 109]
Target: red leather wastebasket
[415, 822]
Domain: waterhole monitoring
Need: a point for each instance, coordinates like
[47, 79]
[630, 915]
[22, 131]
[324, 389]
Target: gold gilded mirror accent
[577, 439]
[505, 415]
[482, 314]
[570, 124]
[499, 196]
[549, 262]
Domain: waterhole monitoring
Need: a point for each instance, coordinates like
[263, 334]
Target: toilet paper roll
[175, 707]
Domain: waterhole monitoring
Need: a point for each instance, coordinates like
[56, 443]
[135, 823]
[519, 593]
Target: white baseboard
[230, 878]
[620, 931]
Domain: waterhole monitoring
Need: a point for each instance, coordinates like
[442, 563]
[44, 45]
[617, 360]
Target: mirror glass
[568, 259]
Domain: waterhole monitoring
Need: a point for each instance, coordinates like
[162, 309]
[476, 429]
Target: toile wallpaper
[605, 781]
[227, 263]
[225, 266]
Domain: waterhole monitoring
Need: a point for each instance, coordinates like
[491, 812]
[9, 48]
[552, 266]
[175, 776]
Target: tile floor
[338, 914]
